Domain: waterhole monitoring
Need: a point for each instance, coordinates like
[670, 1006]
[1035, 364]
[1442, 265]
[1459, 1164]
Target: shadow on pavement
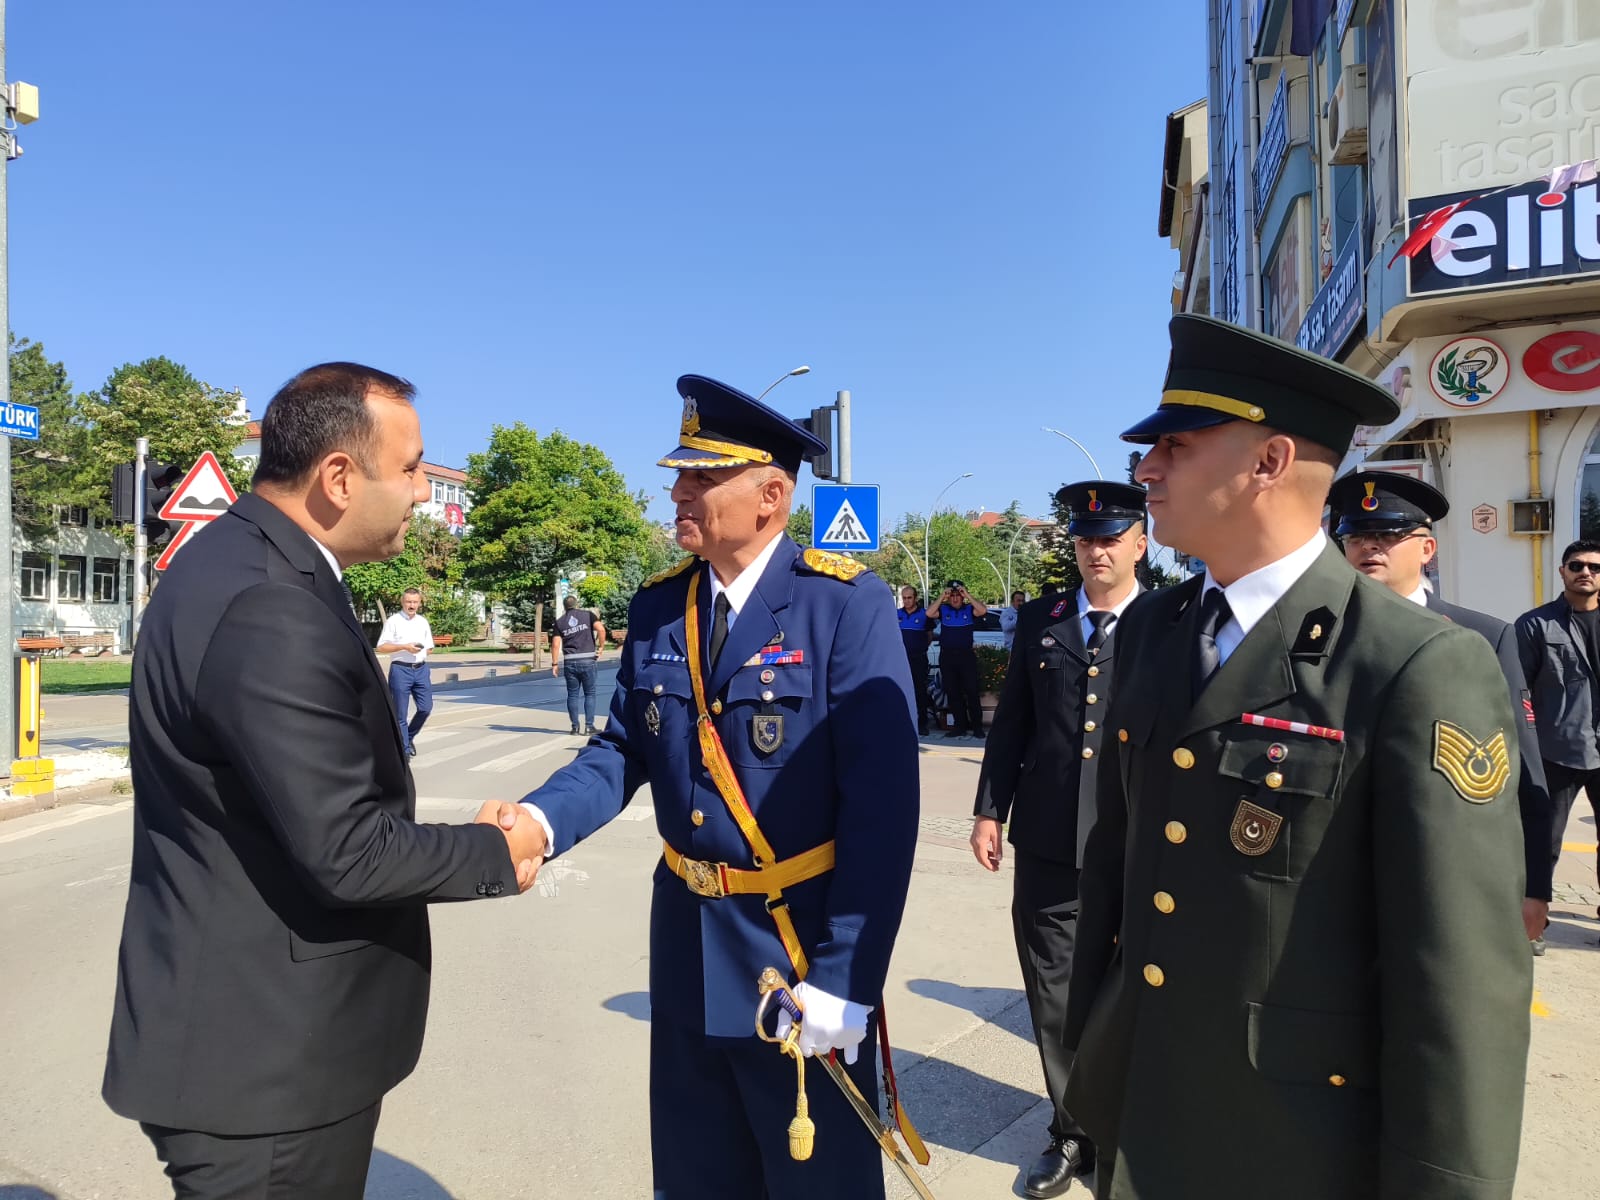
[985, 1002]
[960, 1110]
[630, 1004]
[11, 1191]
[391, 1178]
[1569, 933]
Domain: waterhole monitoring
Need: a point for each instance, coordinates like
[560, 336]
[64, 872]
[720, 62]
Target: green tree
[1058, 563]
[430, 562]
[160, 400]
[541, 506]
[800, 524]
[49, 472]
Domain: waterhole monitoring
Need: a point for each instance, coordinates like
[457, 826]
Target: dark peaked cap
[1220, 372]
[724, 427]
[1379, 501]
[1101, 507]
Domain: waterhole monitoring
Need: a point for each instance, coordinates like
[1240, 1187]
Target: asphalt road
[532, 1080]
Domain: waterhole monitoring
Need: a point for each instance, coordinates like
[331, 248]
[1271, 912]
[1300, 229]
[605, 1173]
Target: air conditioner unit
[1347, 118]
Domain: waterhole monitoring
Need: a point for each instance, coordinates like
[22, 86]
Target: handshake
[525, 837]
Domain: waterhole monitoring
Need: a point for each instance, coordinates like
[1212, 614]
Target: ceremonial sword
[775, 990]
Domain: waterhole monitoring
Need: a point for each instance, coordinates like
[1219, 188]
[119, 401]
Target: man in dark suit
[272, 980]
[1039, 769]
[1301, 968]
[1386, 521]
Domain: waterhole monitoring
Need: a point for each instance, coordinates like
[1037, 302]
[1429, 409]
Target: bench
[523, 641]
[444, 639]
[40, 645]
[91, 644]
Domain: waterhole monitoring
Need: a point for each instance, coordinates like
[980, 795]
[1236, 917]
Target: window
[73, 514]
[69, 579]
[105, 580]
[438, 492]
[1589, 491]
[127, 579]
[35, 577]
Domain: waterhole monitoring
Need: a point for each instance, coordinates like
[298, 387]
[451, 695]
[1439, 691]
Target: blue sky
[547, 212]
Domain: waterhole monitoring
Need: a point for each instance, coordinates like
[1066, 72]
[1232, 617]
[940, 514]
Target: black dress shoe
[411, 750]
[1054, 1170]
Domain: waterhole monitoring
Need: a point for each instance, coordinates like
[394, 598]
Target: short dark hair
[571, 602]
[1019, 592]
[1581, 546]
[411, 591]
[320, 410]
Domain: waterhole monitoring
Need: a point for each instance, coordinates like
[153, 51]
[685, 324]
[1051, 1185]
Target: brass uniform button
[716, 708]
[1273, 780]
[1176, 832]
[1041, 666]
[1183, 757]
[766, 697]
[1090, 727]
[698, 817]
[1091, 698]
[1088, 753]
[1154, 975]
[658, 689]
[1093, 671]
[1336, 1080]
[1122, 735]
[1164, 903]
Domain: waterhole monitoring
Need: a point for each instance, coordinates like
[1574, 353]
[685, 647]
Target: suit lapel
[1259, 673]
[1068, 629]
[758, 623]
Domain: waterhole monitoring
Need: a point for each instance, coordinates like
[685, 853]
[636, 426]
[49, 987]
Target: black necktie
[1214, 614]
[1101, 620]
[719, 627]
[349, 596]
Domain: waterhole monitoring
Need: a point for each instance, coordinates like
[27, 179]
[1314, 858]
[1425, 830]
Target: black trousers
[719, 1122]
[1564, 784]
[326, 1163]
[919, 685]
[959, 671]
[1044, 917]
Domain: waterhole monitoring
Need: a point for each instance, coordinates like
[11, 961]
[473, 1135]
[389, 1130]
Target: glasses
[1386, 539]
[1578, 567]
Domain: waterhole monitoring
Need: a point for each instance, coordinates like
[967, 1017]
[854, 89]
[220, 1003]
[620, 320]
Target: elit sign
[1565, 361]
[1518, 236]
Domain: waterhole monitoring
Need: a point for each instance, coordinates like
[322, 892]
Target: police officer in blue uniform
[956, 610]
[915, 632]
[788, 812]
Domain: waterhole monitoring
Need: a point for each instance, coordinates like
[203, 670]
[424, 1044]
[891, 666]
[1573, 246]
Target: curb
[97, 792]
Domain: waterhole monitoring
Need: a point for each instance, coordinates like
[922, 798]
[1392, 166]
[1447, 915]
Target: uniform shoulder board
[825, 562]
[677, 568]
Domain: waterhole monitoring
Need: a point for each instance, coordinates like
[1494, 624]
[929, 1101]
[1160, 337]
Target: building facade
[1409, 187]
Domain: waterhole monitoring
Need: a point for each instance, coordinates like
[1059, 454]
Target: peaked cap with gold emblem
[724, 427]
[1220, 372]
[1379, 501]
[1101, 507]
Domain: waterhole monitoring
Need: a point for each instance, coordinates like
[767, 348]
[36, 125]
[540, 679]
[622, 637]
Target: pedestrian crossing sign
[844, 516]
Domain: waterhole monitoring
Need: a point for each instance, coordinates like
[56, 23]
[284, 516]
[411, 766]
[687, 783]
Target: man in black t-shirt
[575, 649]
[1560, 645]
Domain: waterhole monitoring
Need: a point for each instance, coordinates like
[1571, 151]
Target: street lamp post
[800, 370]
[927, 527]
[1006, 599]
[922, 575]
[1098, 473]
[1021, 529]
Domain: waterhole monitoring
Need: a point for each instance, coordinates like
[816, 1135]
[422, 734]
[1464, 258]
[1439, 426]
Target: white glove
[831, 1023]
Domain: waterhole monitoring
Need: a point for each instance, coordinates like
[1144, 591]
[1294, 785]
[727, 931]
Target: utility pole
[842, 407]
[141, 537]
[8, 712]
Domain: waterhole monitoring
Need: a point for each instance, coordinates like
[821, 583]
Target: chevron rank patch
[1476, 769]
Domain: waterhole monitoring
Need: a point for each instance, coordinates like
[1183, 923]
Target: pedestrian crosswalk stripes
[527, 754]
[499, 740]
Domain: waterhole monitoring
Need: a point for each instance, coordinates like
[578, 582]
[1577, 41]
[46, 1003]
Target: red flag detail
[1422, 233]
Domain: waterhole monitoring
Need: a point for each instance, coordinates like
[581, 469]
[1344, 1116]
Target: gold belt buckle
[703, 878]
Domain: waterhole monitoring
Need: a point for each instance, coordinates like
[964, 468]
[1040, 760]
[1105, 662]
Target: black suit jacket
[1533, 797]
[273, 972]
[1040, 757]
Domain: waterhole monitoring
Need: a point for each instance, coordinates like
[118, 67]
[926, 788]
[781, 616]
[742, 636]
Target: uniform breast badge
[1476, 769]
[767, 731]
[652, 719]
[1254, 829]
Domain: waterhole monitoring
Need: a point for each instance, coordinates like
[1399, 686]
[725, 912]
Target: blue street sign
[19, 421]
[844, 516]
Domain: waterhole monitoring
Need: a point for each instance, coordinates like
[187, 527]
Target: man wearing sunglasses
[1560, 646]
[1385, 522]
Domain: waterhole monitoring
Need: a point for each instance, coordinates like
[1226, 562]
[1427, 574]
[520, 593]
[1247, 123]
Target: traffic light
[820, 425]
[122, 493]
[159, 481]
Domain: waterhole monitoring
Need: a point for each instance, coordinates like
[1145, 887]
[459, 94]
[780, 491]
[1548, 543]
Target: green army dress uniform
[1301, 968]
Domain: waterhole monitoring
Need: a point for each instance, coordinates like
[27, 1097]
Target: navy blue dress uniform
[811, 698]
[1301, 969]
[958, 664]
[915, 630]
[1039, 772]
[1383, 501]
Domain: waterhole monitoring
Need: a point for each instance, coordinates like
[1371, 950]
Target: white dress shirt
[1252, 597]
[744, 583]
[404, 630]
[1420, 596]
[338, 571]
[1116, 611]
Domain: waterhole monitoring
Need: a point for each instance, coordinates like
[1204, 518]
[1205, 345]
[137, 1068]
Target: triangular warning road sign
[204, 495]
[847, 528]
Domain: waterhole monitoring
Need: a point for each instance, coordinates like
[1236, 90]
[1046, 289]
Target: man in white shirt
[408, 638]
[1301, 967]
[1008, 618]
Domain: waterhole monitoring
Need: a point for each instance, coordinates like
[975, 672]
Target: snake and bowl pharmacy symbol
[1469, 372]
